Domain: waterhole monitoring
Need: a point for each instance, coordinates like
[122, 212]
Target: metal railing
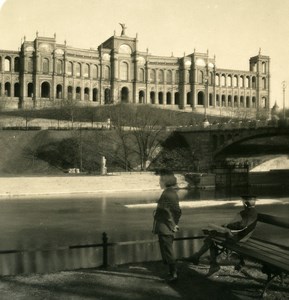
[105, 245]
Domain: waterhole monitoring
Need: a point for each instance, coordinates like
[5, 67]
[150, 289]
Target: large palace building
[45, 73]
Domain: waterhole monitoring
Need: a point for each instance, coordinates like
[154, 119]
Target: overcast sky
[233, 30]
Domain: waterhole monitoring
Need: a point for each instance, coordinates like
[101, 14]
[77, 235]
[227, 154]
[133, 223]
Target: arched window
[107, 96]
[141, 76]
[69, 92]
[86, 94]
[241, 80]
[177, 78]
[254, 102]
[124, 49]
[78, 93]
[188, 76]
[223, 80]
[141, 97]
[217, 100]
[94, 71]
[95, 95]
[169, 98]
[229, 80]
[8, 89]
[16, 64]
[59, 91]
[124, 95]
[235, 81]
[177, 98]
[106, 73]
[247, 82]
[30, 64]
[30, 89]
[263, 67]
[200, 76]
[124, 71]
[263, 83]
[210, 99]
[45, 90]
[254, 82]
[201, 98]
[189, 100]
[7, 64]
[247, 101]
[264, 102]
[59, 68]
[211, 76]
[152, 97]
[86, 70]
[236, 101]
[77, 70]
[16, 89]
[169, 76]
[242, 101]
[161, 76]
[152, 75]
[45, 66]
[223, 101]
[229, 101]
[161, 98]
[217, 79]
[69, 68]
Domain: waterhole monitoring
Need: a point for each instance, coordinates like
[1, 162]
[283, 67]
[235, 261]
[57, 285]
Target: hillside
[53, 152]
[17, 153]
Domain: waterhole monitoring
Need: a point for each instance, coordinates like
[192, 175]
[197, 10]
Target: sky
[233, 30]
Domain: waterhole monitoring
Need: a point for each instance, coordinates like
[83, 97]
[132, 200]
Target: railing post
[104, 248]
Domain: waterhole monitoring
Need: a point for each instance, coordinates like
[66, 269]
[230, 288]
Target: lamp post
[206, 123]
[284, 85]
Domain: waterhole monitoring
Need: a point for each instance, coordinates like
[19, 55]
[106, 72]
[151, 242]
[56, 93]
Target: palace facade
[44, 73]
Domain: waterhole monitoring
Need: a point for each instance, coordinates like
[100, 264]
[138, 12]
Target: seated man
[238, 230]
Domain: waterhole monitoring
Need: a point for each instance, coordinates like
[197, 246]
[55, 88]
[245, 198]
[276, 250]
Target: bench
[274, 257]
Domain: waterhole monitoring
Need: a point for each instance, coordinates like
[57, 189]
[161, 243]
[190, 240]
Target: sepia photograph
[144, 149]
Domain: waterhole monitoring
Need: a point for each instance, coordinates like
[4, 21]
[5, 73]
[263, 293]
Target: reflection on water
[55, 223]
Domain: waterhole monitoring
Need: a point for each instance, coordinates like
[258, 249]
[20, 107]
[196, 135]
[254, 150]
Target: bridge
[216, 143]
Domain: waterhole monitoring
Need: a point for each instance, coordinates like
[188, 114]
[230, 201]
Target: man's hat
[249, 199]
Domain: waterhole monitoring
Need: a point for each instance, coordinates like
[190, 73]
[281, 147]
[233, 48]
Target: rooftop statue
[123, 28]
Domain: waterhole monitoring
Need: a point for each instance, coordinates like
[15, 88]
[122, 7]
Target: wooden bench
[273, 256]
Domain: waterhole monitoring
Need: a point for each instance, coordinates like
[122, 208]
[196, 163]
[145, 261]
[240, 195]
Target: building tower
[261, 65]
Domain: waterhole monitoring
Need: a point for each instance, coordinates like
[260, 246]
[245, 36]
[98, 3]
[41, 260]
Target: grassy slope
[16, 153]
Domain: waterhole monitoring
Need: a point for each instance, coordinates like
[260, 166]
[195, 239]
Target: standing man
[166, 219]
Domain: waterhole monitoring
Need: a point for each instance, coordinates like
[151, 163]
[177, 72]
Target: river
[58, 222]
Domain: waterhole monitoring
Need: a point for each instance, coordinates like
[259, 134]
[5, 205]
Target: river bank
[81, 184]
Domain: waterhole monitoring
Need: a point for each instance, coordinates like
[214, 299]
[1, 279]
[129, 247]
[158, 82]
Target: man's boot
[195, 258]
[173, 276]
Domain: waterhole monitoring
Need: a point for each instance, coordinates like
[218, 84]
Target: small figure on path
[103, 166]
[238, 230]
[166, 219]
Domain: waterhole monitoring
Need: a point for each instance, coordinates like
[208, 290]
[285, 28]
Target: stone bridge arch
[210, 144]
[224, 140]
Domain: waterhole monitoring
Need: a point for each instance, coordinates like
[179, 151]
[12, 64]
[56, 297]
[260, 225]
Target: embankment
[69, 184]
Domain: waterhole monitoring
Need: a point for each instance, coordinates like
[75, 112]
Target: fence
[22, 255]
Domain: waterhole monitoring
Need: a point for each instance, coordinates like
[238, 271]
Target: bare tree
[147, 131]
[140, 131]
[70, 107]
[120, 116]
